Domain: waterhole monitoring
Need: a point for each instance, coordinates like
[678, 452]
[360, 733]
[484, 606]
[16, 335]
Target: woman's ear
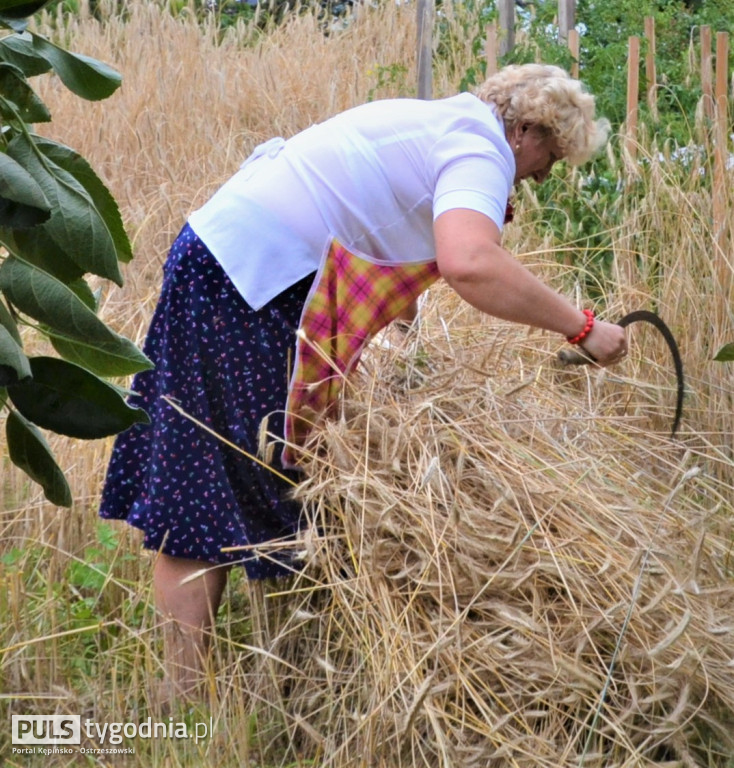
[515, 135]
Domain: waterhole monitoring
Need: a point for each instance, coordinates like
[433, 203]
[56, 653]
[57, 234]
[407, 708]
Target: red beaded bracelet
[587, 328]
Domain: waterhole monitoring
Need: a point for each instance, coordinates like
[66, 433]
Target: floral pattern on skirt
[227, 366]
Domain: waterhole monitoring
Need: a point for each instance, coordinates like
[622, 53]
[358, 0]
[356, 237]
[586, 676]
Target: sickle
[571, 357]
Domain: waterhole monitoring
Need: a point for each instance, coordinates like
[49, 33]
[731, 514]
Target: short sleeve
[473, 167]
[479, 182]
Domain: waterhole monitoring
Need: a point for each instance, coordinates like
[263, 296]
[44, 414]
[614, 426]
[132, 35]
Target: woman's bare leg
[188, 593]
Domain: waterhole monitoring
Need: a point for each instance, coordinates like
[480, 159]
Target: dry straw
[500, 575]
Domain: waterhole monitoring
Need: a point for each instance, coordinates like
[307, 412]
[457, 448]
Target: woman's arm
[472, 260]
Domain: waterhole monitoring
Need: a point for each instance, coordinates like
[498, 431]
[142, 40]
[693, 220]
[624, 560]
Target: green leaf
[87, 576]
[18, 50]
[85, 293]
[79, 168]
[70, 401]
[15, 89]
[36, 247]
[76, 329]
[29, 450]
[107, 536]
[14, 12]
[98, 360]
[75, 224]
[22, 202]
[7, 322]
[16, 7]
[14, 366]
[13, 557]
[86, 77]
[726, 353]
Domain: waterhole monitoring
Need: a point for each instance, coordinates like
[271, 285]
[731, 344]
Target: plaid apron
[351, 300]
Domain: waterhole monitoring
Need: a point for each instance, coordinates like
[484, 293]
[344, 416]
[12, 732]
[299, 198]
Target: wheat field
[507, 563]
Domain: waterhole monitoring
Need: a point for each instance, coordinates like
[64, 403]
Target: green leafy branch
[58, 223]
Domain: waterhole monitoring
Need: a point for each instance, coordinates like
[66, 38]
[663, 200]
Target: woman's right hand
[606, 342]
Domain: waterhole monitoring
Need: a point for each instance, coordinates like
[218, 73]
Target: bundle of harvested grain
[505, 571]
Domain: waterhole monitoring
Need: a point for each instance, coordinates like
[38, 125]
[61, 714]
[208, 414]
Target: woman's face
[535, 152]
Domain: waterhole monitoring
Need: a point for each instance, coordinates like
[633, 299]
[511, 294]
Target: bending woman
[335, 232]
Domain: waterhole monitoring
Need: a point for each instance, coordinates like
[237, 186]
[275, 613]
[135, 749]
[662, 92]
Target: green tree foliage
[58, 224]
[604, 31]
[583, 208]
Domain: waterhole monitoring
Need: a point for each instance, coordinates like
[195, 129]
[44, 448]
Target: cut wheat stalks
[500, 571]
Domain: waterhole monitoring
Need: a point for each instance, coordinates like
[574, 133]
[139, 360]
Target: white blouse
[374, 177]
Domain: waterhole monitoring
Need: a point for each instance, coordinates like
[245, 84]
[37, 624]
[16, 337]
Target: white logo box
[46, 729]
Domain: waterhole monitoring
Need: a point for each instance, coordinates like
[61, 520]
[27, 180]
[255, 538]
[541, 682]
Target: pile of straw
[509, 565]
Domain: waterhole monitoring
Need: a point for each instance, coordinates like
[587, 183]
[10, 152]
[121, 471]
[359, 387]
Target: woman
[333, 233]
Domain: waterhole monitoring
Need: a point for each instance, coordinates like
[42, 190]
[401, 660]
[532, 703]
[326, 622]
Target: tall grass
[333, 670]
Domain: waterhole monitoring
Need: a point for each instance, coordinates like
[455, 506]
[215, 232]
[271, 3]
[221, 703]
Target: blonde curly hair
[548, 97]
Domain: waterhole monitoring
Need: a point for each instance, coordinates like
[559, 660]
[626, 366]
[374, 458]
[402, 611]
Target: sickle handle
[575, 357]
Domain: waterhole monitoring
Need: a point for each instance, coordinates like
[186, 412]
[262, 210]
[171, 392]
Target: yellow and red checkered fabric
[353, 298]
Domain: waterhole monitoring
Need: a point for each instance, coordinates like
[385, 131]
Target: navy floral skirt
[226, 365]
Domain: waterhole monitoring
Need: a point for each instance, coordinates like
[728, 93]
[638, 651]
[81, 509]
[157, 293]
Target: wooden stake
[573, 47]
[507, 26]
[706, 72]
[650, 72]
[425, 48]
[633, 95]
[722, 71]
[719, 191]
[566, 18]
[490, 48]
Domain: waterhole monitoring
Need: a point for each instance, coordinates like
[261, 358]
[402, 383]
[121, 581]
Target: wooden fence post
[633, 95]
[424, 24]
[566, 18]
[573, 47]
[706, 72]
[719, 191]
[490, 48]
[650, 71]
[507, 26]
